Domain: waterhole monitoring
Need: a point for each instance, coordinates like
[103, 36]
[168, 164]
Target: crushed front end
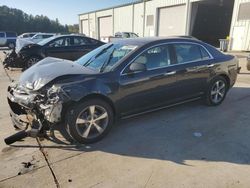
[35, 110]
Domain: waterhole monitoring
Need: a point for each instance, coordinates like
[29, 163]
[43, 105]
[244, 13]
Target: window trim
[166, 43]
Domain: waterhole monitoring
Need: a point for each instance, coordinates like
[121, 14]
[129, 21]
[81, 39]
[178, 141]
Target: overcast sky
[65, 10]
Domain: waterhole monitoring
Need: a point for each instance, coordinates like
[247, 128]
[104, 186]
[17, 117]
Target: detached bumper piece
[34, 132]
[24, 115]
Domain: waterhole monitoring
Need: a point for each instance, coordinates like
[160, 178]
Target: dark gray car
[119, 80]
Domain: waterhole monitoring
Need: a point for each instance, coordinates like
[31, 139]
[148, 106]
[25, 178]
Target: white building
[208, 20]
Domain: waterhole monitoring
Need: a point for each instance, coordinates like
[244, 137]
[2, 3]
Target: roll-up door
[105, 26]
[85, 27]
[171, 20]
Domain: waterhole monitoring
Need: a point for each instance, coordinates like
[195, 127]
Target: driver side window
[156, 57]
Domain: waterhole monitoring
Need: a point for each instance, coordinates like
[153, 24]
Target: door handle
[210, 65]
[170, 73]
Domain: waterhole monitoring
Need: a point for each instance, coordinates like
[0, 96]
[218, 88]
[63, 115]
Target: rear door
[60, 47]
[193, 68]
[152, 88]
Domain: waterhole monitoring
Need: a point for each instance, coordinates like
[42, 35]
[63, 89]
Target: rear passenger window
[189, 53]
[204, 54]
[78, 41]
[157, 57]
[93, 41]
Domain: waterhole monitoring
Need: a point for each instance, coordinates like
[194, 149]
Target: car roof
[69, 35]
[7, 32]
[140, 41]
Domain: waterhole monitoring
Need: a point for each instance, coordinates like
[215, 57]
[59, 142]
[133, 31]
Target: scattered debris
[27, 167]
[197, 134]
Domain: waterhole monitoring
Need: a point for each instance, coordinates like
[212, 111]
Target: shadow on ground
[169, 134]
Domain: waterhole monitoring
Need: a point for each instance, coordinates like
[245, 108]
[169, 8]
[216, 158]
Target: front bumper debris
[32, 112]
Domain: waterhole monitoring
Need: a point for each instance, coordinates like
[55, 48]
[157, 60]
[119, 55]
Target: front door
[155, 87]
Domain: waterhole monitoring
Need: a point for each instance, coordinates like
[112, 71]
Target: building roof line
[117, 6]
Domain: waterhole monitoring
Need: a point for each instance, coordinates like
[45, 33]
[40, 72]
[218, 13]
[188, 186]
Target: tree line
[16, 20]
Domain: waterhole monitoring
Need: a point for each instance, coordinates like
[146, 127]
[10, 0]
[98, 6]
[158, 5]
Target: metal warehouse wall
[140, 18]
[123, 19]
[240, 30]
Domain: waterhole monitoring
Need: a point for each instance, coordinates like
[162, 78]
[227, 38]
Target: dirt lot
[191, 145]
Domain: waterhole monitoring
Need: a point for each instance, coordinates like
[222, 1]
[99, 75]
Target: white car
[41, 36]
[27, 35]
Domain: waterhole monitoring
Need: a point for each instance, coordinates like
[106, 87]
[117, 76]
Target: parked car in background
[8, 39]
[69, 47]
[27, 35]
[126, 35]
[118, 80]
[119, 36]
[41, 36]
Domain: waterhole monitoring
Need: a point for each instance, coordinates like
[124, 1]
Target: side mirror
[137, 67]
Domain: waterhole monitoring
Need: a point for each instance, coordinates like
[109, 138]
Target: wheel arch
[102, 97]
[226, 77]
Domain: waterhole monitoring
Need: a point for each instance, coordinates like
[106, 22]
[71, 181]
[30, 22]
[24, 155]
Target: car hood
[20, 43]
[47, 70]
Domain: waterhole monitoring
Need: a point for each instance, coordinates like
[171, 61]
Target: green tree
[16, 20]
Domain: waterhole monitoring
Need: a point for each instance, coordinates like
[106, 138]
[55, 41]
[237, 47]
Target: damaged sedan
[71, 47]
[117, 80]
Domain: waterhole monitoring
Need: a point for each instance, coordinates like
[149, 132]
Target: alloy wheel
[218, 91]
[92, 121]
[32, 61]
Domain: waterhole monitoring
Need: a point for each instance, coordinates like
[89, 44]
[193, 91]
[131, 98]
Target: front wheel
[31, 61]
[90, 121]
[217, 91]
[11, 45]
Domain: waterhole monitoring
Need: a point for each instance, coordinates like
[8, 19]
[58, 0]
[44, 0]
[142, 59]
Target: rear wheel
[90, 121]
[217, 91]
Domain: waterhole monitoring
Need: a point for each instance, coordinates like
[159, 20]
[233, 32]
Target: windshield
[45, 41]
[105, 57]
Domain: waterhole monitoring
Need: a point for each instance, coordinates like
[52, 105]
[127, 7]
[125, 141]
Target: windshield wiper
[106, 63]
[97, 55]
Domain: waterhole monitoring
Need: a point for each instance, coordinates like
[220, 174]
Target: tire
[216, 91]
[31, 61]
[11, 45]
[88, 129]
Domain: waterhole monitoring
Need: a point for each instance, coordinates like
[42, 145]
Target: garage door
[238, 38]
[85, 27]
[105, 26]
[172, 21]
